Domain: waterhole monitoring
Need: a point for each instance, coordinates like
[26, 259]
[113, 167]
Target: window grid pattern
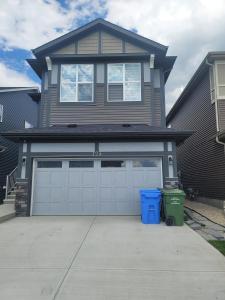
[76, 85]
[125, 82]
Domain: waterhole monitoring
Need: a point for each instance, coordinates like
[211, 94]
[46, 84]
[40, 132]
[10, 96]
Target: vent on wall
[72, 125]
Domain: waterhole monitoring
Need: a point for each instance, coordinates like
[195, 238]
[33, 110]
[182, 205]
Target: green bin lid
[173, 192]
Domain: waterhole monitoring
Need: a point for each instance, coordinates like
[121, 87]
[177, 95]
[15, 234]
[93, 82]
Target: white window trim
[212, 84]
[1, 113]
[221, 62]
[123, 83]
[76, 84]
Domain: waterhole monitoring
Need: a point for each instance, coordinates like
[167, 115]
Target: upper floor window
[124, 82]
[1, 113]
[76, 84]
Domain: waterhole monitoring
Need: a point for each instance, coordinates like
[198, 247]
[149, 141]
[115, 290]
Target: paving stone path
[203, 226]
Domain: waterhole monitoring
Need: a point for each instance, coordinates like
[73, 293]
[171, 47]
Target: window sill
[124, 102]
[76, 103]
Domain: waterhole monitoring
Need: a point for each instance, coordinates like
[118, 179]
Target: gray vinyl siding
[147, 111]
[100, 112]
[18, 107]
[200, 159]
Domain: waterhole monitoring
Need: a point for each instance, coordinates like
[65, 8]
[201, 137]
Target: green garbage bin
[173, 202]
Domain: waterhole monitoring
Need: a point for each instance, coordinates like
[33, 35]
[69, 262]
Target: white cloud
[191, 28]
[28, 24]
[10, 77]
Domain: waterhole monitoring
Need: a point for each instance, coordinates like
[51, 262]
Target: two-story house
[201, 108]
[18, 109]
[102, 132]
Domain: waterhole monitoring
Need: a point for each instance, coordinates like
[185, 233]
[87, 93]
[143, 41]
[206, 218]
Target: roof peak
[94, 24]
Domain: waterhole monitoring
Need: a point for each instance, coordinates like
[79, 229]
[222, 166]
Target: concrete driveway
[106, 258]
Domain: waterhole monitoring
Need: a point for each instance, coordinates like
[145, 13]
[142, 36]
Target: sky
[191, 28]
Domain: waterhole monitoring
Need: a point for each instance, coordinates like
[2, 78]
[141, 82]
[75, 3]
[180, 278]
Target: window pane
[146, 163]
[221, 91]
[68, 73]
[68, 92]
[115, 73]
[115, 92]
[85, 73]
[132, 91]
[85, 92]
[113, 163]
[81, 164]
[221, 73]
[132, 72]
[49, 164]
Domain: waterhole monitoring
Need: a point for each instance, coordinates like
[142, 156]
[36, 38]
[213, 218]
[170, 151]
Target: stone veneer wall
[21, 199]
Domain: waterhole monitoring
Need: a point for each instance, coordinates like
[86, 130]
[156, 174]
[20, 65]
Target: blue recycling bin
[150, 206]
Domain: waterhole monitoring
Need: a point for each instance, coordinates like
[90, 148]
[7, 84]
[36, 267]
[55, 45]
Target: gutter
[216, 109]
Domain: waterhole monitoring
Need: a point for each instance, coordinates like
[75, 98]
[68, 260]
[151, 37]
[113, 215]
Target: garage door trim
[35, 161]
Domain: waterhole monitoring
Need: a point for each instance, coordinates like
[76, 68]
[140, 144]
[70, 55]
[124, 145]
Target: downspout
[216, 109]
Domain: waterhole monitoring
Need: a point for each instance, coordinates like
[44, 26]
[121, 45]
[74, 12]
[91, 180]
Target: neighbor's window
[76, 83]
[220, 79]
[1, 113]
[124, 82]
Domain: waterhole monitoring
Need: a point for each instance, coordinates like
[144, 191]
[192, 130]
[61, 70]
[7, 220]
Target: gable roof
[98, 24]
[195, 79]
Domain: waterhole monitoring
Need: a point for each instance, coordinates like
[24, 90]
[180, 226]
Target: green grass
[219, 245]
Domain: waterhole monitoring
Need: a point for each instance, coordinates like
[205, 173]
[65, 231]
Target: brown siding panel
[110, 43]
[200, 159]
[69, 49]
[130, 48]
[89, 44]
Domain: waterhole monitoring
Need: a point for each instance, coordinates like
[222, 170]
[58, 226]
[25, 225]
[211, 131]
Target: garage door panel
[42, 178]
[113, 178]
[106, 194]
[58, 178]
[89, 178]
[75, 179]
[42, 194]
[92, 187]
[125, 207]
[57, 194]
[90, 208]
[107, 208]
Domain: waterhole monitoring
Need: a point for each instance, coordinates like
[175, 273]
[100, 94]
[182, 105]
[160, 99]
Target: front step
[9, 201]
[7, 212]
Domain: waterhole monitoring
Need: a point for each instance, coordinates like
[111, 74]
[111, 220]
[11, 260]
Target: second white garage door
[92, 187]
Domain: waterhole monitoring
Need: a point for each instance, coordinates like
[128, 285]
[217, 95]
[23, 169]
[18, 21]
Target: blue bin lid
[150, 191]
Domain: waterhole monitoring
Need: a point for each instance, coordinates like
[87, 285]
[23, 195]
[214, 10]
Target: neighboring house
[18, 108]
[201, 108]
[102, 134]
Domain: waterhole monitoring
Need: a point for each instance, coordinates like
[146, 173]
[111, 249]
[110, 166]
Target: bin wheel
[169, 221]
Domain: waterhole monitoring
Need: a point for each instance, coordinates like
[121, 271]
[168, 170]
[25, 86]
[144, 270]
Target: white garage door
[93, 187]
